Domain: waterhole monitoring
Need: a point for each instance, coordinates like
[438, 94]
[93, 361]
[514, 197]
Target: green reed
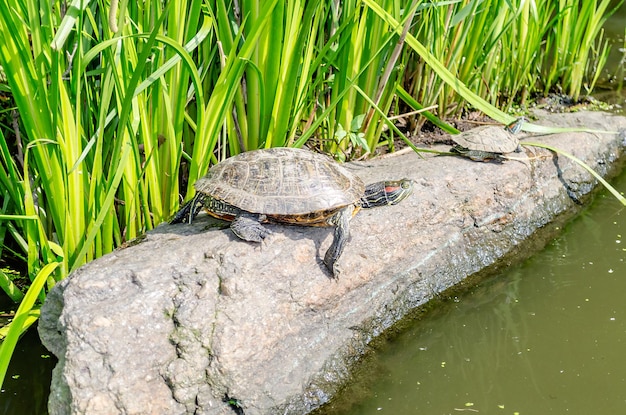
[575, 54]
[507, 51]
[102, 115]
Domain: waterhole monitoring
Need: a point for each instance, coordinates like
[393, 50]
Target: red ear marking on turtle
[390, 189]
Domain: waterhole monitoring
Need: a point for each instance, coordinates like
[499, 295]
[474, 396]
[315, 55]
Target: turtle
[288, 186]
[488, 142]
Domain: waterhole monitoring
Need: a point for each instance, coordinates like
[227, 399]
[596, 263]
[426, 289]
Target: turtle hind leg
[341, 222]
[189, 210]
[248, 227]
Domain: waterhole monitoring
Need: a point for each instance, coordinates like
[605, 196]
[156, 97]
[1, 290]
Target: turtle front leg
[247, 226]
[341, 222]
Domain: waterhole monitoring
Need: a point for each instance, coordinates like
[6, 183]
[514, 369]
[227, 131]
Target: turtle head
[398, 190]
[516, 126]
[388, 192]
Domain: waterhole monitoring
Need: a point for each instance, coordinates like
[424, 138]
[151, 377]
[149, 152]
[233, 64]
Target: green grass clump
[508, 51]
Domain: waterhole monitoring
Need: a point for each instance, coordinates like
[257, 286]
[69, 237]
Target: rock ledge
[177, 323]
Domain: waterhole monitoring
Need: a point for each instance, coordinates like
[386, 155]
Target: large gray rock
[187, 317]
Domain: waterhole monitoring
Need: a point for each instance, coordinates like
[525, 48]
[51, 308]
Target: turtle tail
[188, 211]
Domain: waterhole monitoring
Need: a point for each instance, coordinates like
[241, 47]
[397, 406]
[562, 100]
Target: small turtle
[288, 185]
[488, 142]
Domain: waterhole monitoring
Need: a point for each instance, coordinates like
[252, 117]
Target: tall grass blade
[440, 68]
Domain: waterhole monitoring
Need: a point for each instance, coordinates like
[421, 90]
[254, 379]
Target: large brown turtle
[288, 185]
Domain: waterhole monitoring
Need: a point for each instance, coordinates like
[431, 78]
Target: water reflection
[546, 337]
[27, 384]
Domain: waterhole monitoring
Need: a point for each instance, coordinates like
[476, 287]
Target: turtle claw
[335, 273]
[331, 270]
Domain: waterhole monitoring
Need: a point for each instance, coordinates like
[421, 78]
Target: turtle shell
[282, 182]
[491, 139]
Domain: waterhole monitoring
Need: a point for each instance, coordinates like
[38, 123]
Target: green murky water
[27, 384]
[548, 336]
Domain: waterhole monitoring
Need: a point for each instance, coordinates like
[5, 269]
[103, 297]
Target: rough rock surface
[189, 316]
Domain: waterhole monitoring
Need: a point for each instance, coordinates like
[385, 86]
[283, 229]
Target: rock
[190, 317]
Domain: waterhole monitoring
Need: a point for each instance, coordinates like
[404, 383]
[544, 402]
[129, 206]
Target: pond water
[27, 383]
[545, 337]
[615, 28]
